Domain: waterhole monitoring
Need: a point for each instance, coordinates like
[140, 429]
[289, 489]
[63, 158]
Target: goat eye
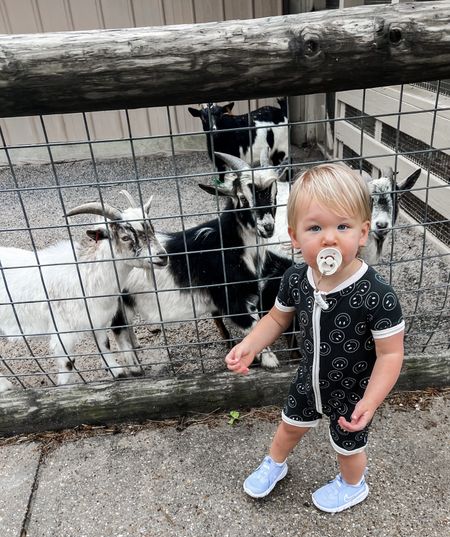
[126, 238]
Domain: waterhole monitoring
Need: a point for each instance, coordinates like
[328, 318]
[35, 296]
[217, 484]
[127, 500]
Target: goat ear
[194, 112]
[228, 107]
[388, 172]
[98, 234]
[409, 182]
[213, 190]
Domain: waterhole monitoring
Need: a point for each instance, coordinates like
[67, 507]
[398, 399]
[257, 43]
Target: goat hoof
[269, 360]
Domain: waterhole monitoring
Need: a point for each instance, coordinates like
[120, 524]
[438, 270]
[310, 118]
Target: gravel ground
[417, 269]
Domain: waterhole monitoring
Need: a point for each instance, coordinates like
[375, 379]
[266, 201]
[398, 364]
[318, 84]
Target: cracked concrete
[161, 481]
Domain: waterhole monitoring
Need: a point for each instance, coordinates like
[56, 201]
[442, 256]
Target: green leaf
[234, 416]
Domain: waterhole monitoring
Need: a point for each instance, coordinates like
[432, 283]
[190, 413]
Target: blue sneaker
[262, 481]
[338, 495]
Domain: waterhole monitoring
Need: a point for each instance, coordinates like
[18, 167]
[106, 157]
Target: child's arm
[384, 375]
[272, 325]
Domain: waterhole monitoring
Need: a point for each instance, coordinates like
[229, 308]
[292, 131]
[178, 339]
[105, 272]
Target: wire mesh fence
[52, 296]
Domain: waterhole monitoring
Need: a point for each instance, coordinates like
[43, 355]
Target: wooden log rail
[23, 411]
[288, 55]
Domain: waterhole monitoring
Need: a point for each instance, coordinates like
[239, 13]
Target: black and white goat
[46, 293]
[246, 135]
[214, 267]
[386, 193]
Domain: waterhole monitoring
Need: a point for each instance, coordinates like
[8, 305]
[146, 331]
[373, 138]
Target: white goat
[45, 293]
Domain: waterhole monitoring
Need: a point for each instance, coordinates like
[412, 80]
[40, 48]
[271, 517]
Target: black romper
[337, 347]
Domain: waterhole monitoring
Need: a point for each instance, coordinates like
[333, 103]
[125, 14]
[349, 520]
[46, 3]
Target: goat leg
[223, 331]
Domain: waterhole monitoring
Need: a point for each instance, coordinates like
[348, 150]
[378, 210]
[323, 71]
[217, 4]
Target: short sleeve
[288, 289]
[384, 310]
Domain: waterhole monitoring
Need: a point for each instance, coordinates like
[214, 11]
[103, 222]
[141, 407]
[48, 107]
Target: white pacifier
[328, 261]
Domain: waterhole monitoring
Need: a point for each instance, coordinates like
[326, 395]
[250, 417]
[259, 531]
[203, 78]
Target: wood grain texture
[58, 408]
[285, 55]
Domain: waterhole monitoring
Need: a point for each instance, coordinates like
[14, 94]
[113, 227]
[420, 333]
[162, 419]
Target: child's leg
[285, 440]
[273, 468]
[352, 466]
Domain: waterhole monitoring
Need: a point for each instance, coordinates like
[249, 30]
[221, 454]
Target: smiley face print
[308, 345]
[359, 367]
[348, 383]
[389, 301]
[369, 344]
[382, 324]
[335, 376]
[325, 349]
[347, 290]
[342, 320]
[363, 287]
[356, 301]
[303, 317]
[340, 363]
[351, 345]
[310, 304]
[304, 286]
[337, 336]
[348, 444]
[372, 300]
[308, 413]
[353, 398]
[331, 301]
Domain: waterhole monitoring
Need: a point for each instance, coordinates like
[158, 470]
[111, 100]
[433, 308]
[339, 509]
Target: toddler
[350, 336]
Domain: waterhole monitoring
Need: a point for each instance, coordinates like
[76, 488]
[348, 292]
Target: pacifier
[328, 261]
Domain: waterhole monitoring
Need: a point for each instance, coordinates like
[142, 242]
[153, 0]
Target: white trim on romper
[297, 423]
[343, 451]
[387, 332]
[287, 309]
[352, 279]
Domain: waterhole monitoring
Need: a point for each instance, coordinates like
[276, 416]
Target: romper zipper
[316, 359]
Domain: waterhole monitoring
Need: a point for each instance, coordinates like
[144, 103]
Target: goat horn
[94, 207]
[234, 163]
[129, 198]
[147, 205]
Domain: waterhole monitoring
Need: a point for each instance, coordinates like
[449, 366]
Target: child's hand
[361, 417]
[239, 358]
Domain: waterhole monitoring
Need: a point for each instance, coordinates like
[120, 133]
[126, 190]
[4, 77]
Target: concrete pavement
[185, 479]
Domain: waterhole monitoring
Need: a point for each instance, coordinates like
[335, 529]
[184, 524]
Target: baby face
[318, 227]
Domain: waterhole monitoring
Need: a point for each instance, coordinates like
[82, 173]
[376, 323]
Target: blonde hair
[333, 186]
